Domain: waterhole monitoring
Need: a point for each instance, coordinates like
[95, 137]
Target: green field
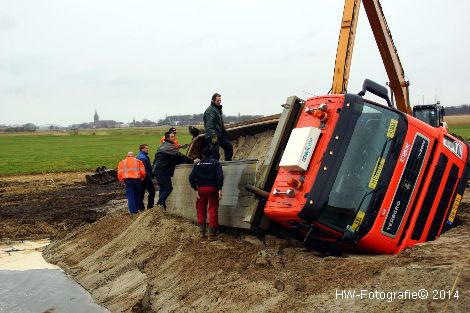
[27, 153]
[460, 130]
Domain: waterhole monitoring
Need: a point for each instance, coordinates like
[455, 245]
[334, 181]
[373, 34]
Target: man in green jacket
[215, 131]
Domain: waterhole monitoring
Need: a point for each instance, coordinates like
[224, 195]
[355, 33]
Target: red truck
[357, 174]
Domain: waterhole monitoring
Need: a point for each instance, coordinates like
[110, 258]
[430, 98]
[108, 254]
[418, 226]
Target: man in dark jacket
[166, 159]
[147, 183]
[207, 178]
[215, 130]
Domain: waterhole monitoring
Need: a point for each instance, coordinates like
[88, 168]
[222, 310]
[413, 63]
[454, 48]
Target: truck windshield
[364, 160]
[427, 115]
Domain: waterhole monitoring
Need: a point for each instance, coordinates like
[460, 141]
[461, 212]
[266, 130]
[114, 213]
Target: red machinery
[360, 175]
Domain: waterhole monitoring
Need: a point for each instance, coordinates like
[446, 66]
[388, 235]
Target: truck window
[365, 157]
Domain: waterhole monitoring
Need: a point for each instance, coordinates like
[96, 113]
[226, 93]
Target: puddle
[28, 284]
[24, 255]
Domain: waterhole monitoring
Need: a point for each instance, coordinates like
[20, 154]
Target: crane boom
[388, 51]
[347, 35]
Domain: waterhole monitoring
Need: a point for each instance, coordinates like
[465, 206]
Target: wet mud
[50, 205]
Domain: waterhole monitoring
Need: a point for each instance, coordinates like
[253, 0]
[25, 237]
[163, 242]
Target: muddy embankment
[156, 262]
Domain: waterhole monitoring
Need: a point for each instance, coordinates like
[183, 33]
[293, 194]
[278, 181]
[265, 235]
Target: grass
[62, 152]
[43, 152]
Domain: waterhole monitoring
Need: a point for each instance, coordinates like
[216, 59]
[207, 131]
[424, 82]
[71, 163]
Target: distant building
[96, 117]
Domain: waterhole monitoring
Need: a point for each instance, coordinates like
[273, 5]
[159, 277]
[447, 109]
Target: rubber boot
[202, 230]
[212, 235]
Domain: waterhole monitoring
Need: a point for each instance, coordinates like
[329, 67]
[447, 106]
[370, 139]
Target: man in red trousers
[207, 178]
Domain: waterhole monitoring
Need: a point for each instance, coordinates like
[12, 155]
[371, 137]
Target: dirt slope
[156, 263]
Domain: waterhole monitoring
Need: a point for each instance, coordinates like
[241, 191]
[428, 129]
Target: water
[28, 284]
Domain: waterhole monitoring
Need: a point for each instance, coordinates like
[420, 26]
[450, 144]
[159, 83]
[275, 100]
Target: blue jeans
[133, 190]
[165, 189]
[147, 184]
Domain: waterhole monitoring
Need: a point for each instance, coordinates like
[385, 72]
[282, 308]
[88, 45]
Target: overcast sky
[62, 59]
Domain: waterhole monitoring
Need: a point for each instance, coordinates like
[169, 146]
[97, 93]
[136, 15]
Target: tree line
[177, 120]
[172, 120]
[463, 109]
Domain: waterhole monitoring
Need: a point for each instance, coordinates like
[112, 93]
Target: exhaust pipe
[257, 191]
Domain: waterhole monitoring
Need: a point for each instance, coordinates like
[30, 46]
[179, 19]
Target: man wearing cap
[207, 178]
[166, 159]
[131, 171]
[215, 132]
[175, 142]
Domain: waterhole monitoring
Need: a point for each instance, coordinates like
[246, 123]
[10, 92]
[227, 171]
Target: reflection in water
[29, 284]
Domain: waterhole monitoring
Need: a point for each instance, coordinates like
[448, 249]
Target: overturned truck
[339, 172]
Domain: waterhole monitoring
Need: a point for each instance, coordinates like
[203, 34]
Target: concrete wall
[235, 200]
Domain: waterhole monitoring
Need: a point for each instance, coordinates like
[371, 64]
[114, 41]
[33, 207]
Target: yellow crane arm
[389, 54]
[347, 35]
[384, 41]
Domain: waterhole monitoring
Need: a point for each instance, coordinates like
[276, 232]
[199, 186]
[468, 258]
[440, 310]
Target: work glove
[214, 139]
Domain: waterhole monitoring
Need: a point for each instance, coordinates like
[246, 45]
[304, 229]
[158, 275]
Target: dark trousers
[133, 191]
[165, 189]
[147, 184]
[208, 202]
[225, 144]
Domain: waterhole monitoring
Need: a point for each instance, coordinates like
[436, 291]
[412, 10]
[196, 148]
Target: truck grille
[406, 186]
[443, 203]
[430, 197]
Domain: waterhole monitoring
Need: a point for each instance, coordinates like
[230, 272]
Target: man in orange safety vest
[175, 141]
[131, 171]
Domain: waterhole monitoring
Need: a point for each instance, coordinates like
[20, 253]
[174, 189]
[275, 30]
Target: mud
[156, 263]
[50, 205]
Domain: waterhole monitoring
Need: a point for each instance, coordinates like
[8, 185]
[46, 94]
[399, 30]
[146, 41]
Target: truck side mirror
[376, 89]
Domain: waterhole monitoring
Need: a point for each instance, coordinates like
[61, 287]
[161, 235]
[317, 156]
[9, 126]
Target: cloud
[7, 23]
[24, 64]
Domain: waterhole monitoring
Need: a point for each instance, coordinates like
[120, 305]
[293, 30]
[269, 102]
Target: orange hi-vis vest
[175, 142]
[131, 167]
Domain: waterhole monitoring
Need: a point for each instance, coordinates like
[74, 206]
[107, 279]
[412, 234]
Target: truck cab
[432, 114]
[360, 175]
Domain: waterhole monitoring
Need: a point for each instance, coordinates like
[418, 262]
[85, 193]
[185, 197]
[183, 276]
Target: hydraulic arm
[388, 51]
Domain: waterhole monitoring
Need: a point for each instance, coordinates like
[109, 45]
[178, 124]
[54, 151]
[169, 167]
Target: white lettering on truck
[404, 153]
[394, 215]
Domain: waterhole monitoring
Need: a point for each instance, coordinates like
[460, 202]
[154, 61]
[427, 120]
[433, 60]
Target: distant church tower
[96, 117]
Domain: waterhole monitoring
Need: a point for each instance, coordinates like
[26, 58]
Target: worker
[147, 183]
[215, 132]
[131, 171]
[207, 178]
[173, 130]
[166, 159]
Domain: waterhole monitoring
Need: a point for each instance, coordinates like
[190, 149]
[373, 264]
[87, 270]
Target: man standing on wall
[147, 183]
[166, 159]
[215, 132]
[207, 178]
[132, 172]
